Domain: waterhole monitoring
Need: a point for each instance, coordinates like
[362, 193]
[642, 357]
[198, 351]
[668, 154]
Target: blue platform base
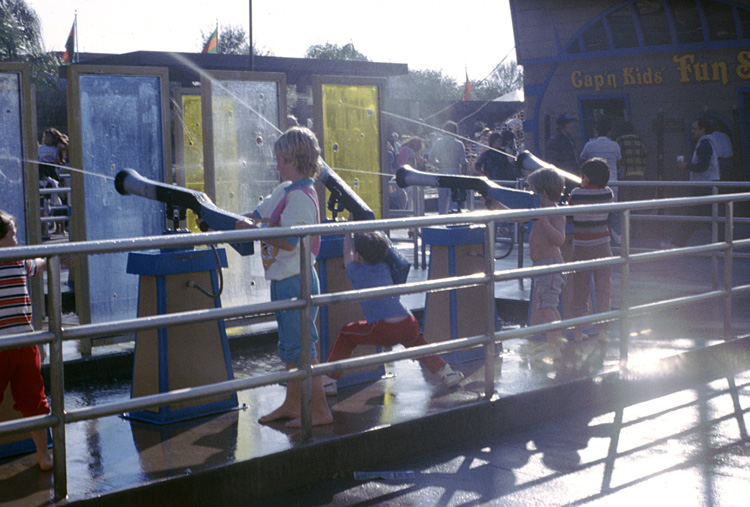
[183, 356]
[456, 251]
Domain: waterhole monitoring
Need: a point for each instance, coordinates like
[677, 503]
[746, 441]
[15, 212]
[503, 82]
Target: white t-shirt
[300, 209]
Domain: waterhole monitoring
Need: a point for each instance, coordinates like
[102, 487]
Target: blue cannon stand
[458, 313]
[332, 274]
[181, 356]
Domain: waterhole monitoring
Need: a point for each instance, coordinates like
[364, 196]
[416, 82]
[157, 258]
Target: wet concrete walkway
[230, 459]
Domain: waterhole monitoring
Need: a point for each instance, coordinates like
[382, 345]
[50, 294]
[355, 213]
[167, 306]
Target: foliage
[330, 51]
[21, 41]
[504, 79]
[434, 85]
[425, 85]
[233, 40]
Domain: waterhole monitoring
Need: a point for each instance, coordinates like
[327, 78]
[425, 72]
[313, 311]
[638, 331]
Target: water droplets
[259, 140]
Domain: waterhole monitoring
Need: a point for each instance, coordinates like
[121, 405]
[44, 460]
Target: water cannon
[529, 162]
[130, 182]
[407, 176]
[342, 196]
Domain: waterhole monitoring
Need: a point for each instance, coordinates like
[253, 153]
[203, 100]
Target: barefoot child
[293, 202]
[591, 241]
[21, 368]
[388, 322]
[546, 237]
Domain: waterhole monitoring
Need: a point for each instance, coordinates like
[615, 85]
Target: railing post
[728, 255]
[715, 238]
[489, 271]
[305, 282]
[57, 378]
[624, 289]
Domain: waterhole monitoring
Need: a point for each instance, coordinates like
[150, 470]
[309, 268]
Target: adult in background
[495, 162]
[411, 153]
[704, 166]
[725, 153]
[602, 146]
[560, 150]
[633, 163]
[448, 155]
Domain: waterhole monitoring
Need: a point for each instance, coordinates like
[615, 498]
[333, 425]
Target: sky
[443, 35]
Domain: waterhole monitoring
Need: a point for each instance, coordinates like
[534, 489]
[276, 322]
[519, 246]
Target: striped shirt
[590, 229]
[15, 303]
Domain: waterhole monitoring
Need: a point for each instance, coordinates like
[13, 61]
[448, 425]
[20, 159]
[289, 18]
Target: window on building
[622, 26]
[595, 38]
[744, 22]
[687, 21]
[720, 21]
[654, 23]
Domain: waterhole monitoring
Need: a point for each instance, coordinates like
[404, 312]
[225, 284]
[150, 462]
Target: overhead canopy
[185, 67]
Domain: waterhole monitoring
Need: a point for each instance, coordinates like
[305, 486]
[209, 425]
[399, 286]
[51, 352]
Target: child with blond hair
[293, 202]
[546, 237]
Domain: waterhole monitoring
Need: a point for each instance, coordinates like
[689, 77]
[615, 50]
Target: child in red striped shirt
[21, 368]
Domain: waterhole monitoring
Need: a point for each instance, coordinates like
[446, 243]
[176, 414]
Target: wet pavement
[558, 432]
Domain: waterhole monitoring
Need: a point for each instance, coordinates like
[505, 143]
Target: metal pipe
[625, 290]
[305, 284]
[728, 238]
[57, 377]
[489, 309]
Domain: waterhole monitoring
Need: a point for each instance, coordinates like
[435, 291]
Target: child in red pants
[388, 322]
[21, 368]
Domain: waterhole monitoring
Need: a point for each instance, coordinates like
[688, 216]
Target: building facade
[658, 64]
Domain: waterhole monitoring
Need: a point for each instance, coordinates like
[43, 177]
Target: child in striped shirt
[591, 241]
[21, 368]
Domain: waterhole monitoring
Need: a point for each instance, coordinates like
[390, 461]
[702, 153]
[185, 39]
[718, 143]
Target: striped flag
[70, 46]
[212, 44]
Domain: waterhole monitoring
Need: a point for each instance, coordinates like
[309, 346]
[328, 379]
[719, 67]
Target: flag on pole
[70, 46]
[212, 44]
[467, 88]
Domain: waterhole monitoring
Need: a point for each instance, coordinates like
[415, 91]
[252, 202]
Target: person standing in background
[449, 156]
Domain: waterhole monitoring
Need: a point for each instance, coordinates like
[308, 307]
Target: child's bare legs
[42, 452]
[321, 414]
[554, 338]
[290, 408]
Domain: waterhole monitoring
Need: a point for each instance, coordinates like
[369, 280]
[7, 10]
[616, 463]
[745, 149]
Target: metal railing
[57, 334]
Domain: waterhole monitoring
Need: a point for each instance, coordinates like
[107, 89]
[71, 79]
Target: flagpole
[74, 56]
[250, 37]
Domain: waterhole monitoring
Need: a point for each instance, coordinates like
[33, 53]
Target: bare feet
[45, 459]
[321, 420]
[283, 412]
[43, 455]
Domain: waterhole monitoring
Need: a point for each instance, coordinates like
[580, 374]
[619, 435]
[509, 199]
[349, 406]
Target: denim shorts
[549, 286]
[289, 321]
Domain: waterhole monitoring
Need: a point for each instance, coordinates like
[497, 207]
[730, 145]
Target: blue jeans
[289, 321]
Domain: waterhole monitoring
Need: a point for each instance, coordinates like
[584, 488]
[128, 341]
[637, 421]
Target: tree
[424, 85]
[233, 40]
[21, 41]
[505, 78]
[330, 51]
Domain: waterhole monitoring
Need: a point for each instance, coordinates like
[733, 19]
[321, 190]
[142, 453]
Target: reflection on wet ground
[114, 453]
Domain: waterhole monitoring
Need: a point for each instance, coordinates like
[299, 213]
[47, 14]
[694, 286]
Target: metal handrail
[57, 334]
